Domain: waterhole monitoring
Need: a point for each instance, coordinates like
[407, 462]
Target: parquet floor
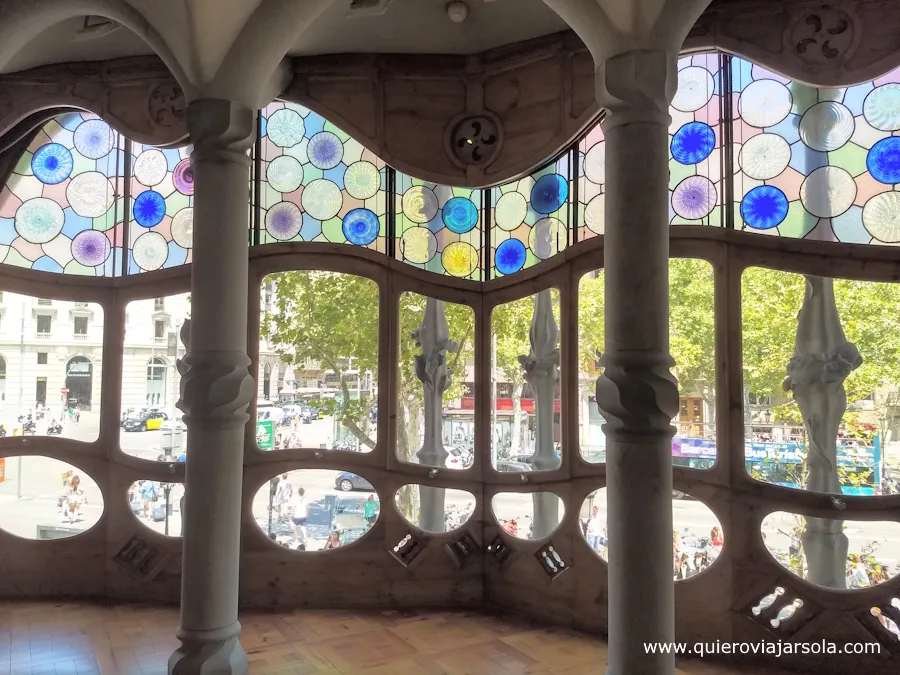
[55, 638]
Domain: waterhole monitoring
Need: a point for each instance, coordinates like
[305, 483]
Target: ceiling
[407, 26]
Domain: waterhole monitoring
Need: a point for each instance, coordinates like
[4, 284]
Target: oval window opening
[812, 548]
[697, 535]
[158, 505]
[528, 515]
[434, 509]
[316, 509]
[44, 498]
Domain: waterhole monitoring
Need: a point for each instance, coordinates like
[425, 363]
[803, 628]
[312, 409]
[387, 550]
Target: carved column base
[826, 555]
[209, 653]
[546, 513]
[431, 508]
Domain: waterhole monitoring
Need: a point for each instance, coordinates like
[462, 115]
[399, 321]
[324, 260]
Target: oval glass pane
[801, 545]
[434, 509]
[525, 411]
[697, 536]
[151, 426]
[158, 505]
[325, 396]
[43, 498]
[528, 515]
[316, 509]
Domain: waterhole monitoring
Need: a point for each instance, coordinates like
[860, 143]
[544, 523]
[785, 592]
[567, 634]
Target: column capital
[221, 130]
[638, 395]
[636, 86]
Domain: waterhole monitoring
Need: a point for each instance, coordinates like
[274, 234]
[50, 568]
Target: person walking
[299, 512]
[370, 510]
[283, 493]
[74, 500]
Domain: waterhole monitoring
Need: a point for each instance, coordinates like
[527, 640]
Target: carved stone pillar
[815, 375]
[433, 336]
[542, 373]
[216, 389]
[637, 392]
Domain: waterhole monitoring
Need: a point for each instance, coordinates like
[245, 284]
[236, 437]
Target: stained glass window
[61, 209]
[530, 218]
[695, 143]
[318, 184]
[817, 163]
[695, 153]
[161, 222]
[439, 227]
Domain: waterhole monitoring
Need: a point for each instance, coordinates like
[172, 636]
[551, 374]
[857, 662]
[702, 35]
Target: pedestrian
[283, 493]
[594, 529]
[333, 541]
[299, 512]
[370, 510]
[148, 495]
[75, 497]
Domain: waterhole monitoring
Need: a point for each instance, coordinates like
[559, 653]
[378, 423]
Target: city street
[41, 487]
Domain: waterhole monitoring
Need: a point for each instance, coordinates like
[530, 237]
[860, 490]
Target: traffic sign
[64, 390]
[265, 434]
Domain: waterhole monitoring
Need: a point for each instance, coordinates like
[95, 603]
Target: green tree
[328, 318]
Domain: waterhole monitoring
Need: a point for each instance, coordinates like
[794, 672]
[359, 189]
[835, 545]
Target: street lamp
[768, 416]
[167, 490]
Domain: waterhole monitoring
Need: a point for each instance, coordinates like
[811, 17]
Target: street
[33, 508]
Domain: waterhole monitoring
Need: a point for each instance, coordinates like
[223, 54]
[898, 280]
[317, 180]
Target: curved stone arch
[22, 22]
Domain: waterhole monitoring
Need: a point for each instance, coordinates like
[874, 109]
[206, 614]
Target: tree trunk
[516, 446]
[407, 445]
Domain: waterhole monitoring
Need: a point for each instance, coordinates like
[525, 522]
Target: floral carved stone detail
[474, 140]
[822, 36]
[216, 387]
[166, 105]
[638, 394]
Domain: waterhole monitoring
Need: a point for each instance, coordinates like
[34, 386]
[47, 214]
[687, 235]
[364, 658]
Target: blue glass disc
[460, 215]
[52, 163]
[693, 143]
[764, 207]
[883, 160]
[549, 193]
[360, 227]
[149, 208]
[510, 256]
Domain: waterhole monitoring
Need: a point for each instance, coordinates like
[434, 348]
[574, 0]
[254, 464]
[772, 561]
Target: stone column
[815, 375]
[542, 373]
[433, 336]
[637, 393]
[216, 389]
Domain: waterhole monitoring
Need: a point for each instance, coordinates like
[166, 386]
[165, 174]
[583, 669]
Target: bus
[779, 462]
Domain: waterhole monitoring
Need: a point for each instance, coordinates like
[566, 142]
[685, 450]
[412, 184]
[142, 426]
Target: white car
[176, 425]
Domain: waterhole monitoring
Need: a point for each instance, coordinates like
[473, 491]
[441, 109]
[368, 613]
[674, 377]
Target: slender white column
[637, 392]
[433, 336]
[216, 389]
[542, 373]
[815, 375]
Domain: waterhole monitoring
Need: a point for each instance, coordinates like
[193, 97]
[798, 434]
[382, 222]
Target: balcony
[42, 336]
[80, 337]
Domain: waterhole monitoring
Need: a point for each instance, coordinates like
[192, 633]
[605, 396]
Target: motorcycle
[54, 428]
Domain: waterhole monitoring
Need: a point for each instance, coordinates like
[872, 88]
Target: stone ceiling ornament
[823, 34]
[166, 105]
[473, 140]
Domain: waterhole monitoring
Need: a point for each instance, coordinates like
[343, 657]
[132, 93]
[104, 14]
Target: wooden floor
[83, 639]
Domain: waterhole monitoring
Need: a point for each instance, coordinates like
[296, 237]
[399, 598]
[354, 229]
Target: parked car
[176, 425]
[506, 466]
[347, 482]
[150, 420]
